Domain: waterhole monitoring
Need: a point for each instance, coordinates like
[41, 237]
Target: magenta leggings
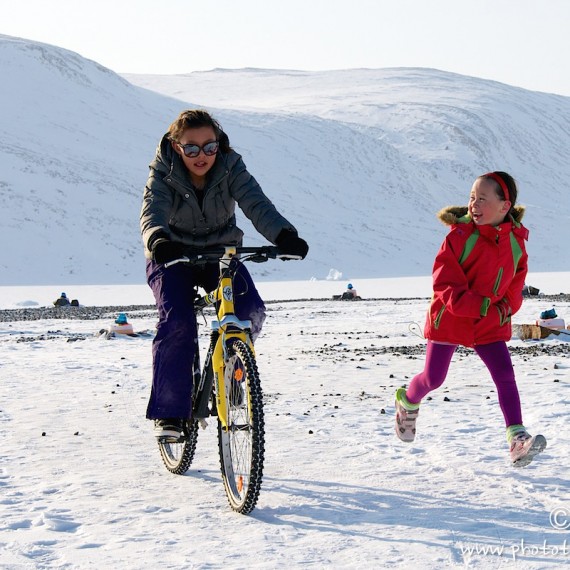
[496, 358]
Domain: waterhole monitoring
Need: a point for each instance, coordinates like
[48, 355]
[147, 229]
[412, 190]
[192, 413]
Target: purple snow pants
[176, 340]
[496, 358]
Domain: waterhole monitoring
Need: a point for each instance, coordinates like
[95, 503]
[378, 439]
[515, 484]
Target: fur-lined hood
[451, 215]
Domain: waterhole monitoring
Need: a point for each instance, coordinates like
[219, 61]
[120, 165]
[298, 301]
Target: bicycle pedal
[203, 423]
[170, 439]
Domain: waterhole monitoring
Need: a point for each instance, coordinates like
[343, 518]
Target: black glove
[289, 243]
[164, 250]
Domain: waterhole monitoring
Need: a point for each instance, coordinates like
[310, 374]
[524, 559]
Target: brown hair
[509, 183]
[194, 119]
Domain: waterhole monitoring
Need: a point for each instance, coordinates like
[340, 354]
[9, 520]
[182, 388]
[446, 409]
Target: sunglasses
[193, 150]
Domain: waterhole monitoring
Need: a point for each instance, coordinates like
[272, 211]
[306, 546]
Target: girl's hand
[289, 242]
[164, 250]
[504, 310]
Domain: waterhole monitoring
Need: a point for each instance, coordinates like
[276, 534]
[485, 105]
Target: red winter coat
[478, 277]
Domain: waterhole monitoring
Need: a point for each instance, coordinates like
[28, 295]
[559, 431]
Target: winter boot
[169, 430]
[406, 415]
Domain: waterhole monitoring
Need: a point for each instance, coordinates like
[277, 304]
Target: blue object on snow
[550, 314]
[121, 319]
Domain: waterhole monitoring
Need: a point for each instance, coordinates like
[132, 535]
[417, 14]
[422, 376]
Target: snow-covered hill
[358, 160]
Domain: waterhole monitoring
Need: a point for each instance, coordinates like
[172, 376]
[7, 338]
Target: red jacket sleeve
[514, 294]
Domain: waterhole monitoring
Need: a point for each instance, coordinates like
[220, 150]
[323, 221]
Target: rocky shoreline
[105, 312]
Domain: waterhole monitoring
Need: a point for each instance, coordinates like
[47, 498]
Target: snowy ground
[82, 484]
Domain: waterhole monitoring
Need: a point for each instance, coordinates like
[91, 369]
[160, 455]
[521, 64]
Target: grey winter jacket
[170, 205]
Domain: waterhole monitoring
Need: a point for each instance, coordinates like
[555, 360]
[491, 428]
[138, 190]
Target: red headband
[500, 182]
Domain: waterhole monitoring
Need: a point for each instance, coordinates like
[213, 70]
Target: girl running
[478, 278]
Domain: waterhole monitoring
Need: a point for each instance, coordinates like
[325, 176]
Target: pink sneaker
[406, 416]
[524, 447]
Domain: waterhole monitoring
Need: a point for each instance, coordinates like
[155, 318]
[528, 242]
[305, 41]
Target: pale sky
[519, 42]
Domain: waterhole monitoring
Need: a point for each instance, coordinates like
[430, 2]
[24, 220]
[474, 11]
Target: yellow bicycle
[228, 386]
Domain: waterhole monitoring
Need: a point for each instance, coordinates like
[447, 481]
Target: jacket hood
[451, 215]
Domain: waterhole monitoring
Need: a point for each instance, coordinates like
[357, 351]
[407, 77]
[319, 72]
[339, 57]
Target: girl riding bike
[194, 182]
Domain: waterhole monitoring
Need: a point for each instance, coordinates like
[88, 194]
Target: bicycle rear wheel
[242, 444]
[177, 456]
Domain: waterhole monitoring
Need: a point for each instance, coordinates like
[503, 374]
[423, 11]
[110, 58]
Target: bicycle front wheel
[242, 444]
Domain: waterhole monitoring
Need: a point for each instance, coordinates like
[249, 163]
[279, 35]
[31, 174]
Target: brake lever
[182, 259]
[259, 258]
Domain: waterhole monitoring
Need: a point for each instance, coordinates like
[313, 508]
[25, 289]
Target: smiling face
[200, 165]
[485, 206]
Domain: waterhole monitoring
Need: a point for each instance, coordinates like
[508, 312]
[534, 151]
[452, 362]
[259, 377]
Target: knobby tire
[177, 457]
[242, 445]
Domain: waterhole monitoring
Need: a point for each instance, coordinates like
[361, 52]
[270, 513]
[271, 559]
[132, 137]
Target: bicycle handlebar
[255, 254]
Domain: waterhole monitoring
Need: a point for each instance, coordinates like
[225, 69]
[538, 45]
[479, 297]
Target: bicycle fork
[229, 327]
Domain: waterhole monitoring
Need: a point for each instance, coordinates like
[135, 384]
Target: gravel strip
[74, 313]
[94, 313]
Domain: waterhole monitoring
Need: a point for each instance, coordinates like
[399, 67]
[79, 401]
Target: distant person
[478, 278]
[350, 292]
[62, 301]
[195, 181]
